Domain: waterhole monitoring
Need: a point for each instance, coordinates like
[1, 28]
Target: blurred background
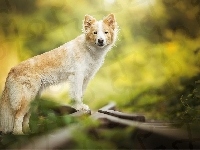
[153, 69]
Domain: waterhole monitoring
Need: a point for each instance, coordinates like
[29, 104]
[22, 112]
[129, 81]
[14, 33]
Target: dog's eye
[95, 32]
[106, 32]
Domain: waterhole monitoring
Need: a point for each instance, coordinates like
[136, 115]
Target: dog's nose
[100, 41]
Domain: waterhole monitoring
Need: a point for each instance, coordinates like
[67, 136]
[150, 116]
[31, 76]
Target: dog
[76, 61]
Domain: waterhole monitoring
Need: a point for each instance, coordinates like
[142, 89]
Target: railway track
[147, 134]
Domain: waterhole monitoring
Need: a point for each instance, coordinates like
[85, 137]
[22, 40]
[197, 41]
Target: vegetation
[154, 68]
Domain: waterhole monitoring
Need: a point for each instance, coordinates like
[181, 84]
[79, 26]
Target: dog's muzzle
[100, 42]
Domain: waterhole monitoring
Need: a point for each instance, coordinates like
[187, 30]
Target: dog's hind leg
[22, 115]
[22, 105]
[25, 124]
[19, 117]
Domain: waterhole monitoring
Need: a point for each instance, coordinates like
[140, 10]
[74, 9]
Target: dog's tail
[6, 113]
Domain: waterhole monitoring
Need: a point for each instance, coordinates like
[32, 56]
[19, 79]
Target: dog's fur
[76, 61]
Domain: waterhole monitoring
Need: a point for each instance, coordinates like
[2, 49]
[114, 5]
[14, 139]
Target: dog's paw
[82, 107]
[18, 132]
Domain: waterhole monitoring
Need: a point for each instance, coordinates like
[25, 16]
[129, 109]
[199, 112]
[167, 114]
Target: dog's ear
[110, 21]
[88, 21]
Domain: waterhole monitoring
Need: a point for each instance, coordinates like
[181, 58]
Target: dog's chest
[91, 65]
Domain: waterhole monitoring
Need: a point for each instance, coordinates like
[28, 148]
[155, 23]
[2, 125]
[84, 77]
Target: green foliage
[44, 118]
[16, 141]
[185, 108]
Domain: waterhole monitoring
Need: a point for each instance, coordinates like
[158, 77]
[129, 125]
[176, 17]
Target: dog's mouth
[100, 44]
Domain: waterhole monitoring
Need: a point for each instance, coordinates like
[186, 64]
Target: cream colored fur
[76, 61]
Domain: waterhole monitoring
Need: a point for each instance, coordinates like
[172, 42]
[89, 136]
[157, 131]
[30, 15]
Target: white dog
[76, 61]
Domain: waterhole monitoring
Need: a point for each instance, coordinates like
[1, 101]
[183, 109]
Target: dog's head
[100, 33]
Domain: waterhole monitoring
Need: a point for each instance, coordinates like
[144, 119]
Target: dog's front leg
[77, 91]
